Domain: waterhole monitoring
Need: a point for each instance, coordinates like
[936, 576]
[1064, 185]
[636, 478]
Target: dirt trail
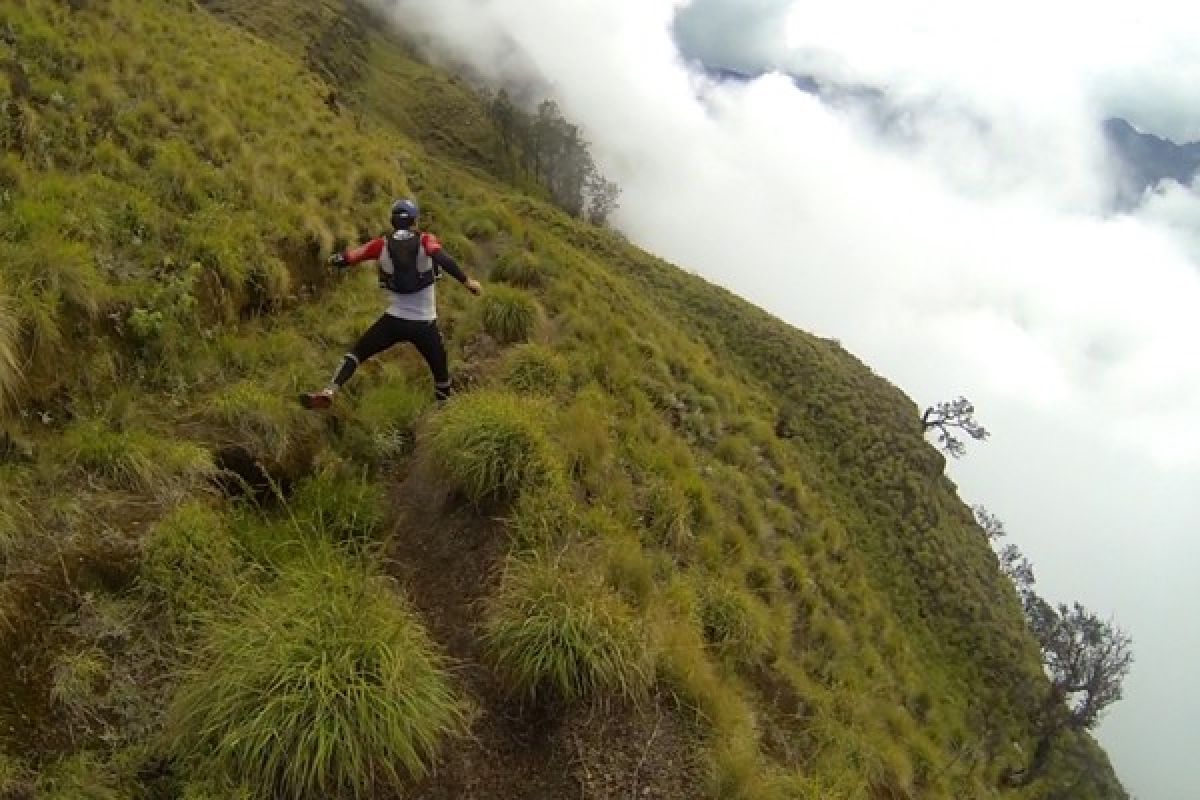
[448, 561]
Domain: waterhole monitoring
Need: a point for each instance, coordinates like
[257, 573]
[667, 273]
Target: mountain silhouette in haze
[1148, 160]
[1144, 161]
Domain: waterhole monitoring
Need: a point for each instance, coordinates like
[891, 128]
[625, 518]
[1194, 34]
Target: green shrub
[557, 633]
[493, 446]
[509, 315]
[534, 368]
[326, 685]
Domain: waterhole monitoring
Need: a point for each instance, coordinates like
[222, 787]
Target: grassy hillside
[660, 544]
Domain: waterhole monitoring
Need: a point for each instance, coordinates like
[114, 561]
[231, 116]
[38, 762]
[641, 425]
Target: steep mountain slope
[662, 544]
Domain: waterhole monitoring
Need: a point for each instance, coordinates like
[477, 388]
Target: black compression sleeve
[450, 265]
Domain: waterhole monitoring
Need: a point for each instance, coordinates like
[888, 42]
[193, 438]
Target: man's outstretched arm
[443, 261]
[364, 252]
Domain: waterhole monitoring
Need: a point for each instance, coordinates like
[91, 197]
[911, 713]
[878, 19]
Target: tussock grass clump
[386, 418]
[666, 514]
[14, 513]
[339, 506]
[737, 451]
[77, 680]
[257, 415]
[134, 459]
[493, 446]
[82, 776]
[461, 248]
[487, 221]
[734, 622]
[558, 633]
[10, 364]
[267, 350]
[544, 518]
[629, 570]
[584, 432]
[689, 673]
[761, 579]
[326, 685]
[533, 368]
[268, 285]
[479, 227]
[509, 315]
[16, 780]
[190, 562]
[737, 772]
[519, 268]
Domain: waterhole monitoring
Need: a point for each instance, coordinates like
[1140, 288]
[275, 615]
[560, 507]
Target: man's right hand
[338, 261]
[474, 286]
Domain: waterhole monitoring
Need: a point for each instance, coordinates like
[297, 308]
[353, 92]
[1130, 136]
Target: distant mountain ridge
[1149, 160]
[1146, 159]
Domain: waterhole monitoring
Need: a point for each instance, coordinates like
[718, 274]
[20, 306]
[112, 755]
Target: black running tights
[388, 331]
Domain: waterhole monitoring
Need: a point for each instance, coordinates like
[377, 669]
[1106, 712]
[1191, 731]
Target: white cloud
[972, 257]
[1176, 208]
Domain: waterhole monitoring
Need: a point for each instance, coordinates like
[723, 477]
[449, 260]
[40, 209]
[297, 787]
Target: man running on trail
[408, 267]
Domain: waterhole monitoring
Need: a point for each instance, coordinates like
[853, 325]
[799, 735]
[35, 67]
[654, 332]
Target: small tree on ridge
[947, 418]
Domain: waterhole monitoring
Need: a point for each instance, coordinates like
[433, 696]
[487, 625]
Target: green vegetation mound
[493, 446]
[509, 315]
[535, 369]
[324, 684]
[556, 633]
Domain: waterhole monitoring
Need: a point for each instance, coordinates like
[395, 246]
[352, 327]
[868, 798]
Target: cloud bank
[974, 254]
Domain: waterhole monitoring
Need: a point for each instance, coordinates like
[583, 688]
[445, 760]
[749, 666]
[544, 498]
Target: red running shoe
[317, 401]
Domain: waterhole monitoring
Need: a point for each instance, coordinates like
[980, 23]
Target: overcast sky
[977, 256]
